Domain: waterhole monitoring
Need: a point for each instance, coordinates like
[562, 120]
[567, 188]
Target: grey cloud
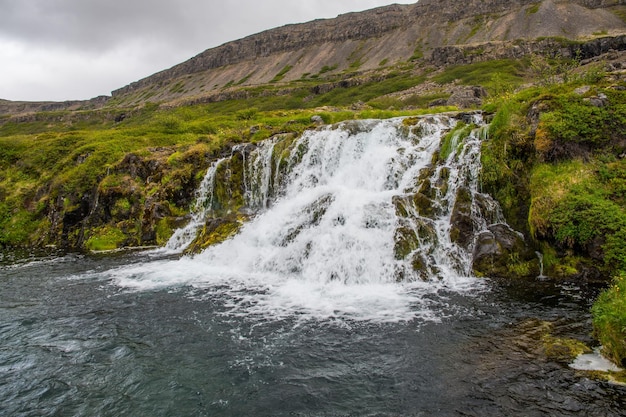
[101, 24]
[130, 38]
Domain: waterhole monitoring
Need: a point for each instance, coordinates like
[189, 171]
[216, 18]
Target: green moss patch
[105, 238]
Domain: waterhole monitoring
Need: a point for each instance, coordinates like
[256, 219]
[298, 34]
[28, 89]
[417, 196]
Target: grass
[278, 77]
[488, 74]
[609, 320]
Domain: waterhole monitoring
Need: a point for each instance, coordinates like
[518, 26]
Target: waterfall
[540, 258]
[204, 201]
[347, 192]
[342, 220]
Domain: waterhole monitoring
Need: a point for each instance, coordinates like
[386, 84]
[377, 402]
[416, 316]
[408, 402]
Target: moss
[405, 242]
[122, 208]
[563, 349]
[216, 231]
[105, 238]
[164, 231]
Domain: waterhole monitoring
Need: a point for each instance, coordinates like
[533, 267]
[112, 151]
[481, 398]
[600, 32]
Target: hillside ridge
[429, 32]
[394, 32]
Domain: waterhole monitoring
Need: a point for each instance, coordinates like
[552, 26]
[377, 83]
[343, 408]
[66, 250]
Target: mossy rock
[106, 238]
[502, 252]
[414, 204]
[462, 225]
[405, 242]
[563, 349]
[215, 231]
[412, 235]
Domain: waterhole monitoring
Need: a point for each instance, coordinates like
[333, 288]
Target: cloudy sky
[79, 49]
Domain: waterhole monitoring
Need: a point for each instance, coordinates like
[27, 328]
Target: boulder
[500, 251]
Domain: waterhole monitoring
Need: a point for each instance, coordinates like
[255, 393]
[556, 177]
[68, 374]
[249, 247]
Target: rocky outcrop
[500, 251]
[31, 107]
[551, 47]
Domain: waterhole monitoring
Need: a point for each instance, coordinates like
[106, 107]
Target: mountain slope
[367, 41]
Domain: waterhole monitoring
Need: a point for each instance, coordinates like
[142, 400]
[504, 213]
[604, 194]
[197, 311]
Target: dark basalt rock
[462, 230]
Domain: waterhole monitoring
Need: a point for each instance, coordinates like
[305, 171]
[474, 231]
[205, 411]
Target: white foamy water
[204, 201]
[325, 246]
[594, 362]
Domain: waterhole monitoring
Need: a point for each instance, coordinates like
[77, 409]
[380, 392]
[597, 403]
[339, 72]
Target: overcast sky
[79, 49]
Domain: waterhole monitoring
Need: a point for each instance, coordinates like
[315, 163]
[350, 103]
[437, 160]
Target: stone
[601, 100]
[462, 225]
[317, 120]
[500, 251]
[582, 90]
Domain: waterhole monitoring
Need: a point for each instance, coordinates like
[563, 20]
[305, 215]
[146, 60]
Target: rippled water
[75, 344]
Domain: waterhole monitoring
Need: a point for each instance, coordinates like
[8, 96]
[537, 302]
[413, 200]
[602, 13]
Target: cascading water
[184, 236]
[364, 217]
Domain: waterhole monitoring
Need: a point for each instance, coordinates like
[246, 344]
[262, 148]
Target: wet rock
[502, 252]
[462, 225]
[215, 231]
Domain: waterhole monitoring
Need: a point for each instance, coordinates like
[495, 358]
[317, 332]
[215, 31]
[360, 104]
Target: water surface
[76, 344]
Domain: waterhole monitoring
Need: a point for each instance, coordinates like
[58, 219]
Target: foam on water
[594, 362]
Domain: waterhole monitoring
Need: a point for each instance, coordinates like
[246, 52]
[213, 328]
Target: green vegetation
[609, 320]
[327, 68]
[555, 162]
[281, 74]
[451, 141]
[105, 239]
[418, 53]
[490, 74]
[533, 9]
